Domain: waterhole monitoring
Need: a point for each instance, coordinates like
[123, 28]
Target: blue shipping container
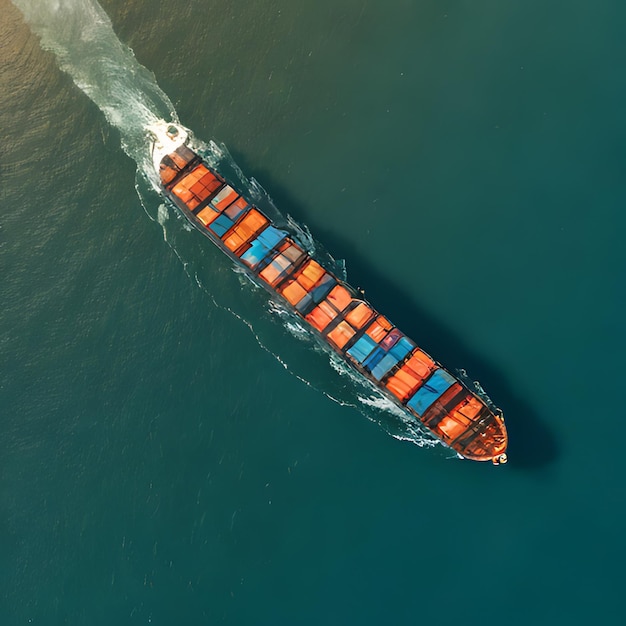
[430, 391]
[384, 366]
[361, 349]
[220, 225]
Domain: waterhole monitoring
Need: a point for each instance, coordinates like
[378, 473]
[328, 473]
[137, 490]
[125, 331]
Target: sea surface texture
[175, 449]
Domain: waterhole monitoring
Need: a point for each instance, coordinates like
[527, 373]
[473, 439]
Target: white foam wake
[81, 36]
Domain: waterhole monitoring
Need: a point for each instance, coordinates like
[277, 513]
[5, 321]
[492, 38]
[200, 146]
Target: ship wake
[81, 36]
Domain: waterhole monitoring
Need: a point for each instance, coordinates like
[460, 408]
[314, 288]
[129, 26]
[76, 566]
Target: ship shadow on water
[532, 445]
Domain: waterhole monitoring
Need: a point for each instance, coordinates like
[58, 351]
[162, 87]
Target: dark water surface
[158, 465]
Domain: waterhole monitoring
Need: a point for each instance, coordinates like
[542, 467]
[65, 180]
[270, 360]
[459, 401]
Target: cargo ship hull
[334, 311]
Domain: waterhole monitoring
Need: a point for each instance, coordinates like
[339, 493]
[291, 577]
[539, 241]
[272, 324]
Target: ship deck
[345, 321]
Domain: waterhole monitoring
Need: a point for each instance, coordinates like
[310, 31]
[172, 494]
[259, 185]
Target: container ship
[463, 419]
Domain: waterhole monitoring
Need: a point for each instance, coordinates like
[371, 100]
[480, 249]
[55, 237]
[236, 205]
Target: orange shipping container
[420, 364]
[360, 315]
[404, 383]
[182, 192]
[318, 318]
[398, 388]
[254, 221]
[379, 328]
[207, 215]
[167, 173]
[339, 297]
[179, 161]
[192, 203]
[449, 428]
[207, 179]
[341, 334]
[200, 191]
[311, 273]
[472, 408]
[227, 199]
[233, 242]
[271, 274]
[294, 292]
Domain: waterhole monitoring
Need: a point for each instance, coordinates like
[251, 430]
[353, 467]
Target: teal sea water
[174, 451]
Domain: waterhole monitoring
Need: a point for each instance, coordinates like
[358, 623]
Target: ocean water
[173, 450]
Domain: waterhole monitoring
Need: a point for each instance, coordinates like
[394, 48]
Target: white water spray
[81, 36]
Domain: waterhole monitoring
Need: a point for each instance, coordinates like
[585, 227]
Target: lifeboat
[463, 419]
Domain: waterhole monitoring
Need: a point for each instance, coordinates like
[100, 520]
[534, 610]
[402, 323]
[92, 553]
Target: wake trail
[81, 36]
